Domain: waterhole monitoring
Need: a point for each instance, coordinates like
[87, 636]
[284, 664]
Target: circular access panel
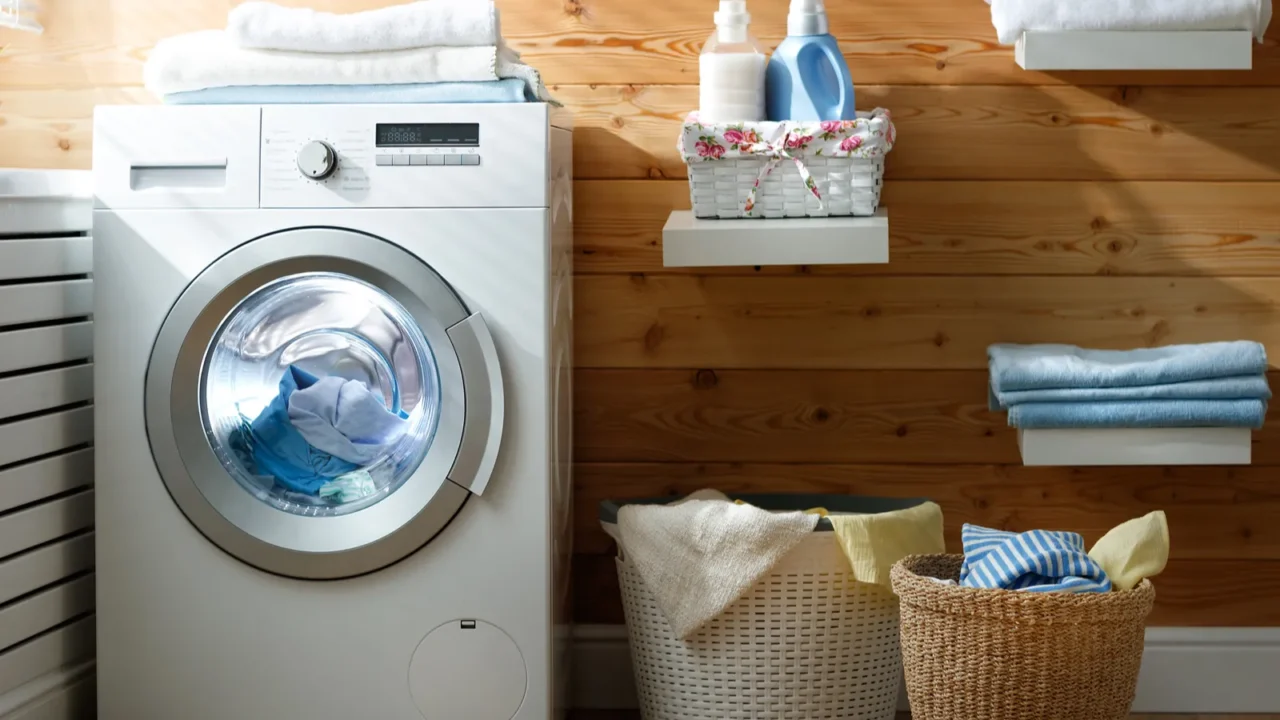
[467, 669]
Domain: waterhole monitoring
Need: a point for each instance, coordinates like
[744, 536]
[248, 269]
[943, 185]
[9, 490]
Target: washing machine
[394, 546]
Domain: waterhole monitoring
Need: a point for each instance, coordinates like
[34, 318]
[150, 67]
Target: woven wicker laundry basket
[807, 642]
[1003, 655]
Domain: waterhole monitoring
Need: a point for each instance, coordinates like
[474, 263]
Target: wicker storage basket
[976, 654]
[807, 642]
[786, 169]
[849, 186]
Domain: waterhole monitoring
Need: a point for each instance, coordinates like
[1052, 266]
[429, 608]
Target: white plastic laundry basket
[808, 642]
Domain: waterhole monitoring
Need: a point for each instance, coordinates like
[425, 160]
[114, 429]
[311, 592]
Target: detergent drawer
[176, 157]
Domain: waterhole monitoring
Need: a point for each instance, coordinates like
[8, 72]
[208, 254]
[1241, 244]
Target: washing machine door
[320, 403]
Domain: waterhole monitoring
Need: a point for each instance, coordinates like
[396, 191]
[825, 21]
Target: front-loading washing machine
[333, 378]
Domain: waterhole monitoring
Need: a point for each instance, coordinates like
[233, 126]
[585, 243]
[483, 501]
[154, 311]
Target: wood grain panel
[1214, 513]
[606, 41]
[807, 416]
[1227, 593]
[900, 323]
[54, 128]
[1218, 592]
[985, 228]
[782, 416]
[982, 132]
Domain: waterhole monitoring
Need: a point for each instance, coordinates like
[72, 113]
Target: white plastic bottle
[731, 69]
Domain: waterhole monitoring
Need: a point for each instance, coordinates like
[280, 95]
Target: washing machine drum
[320, 403]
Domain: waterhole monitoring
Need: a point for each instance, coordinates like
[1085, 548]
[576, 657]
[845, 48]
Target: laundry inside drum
[320, 394]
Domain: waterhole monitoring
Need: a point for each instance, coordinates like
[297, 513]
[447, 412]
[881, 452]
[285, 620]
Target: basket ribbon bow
[777, 151]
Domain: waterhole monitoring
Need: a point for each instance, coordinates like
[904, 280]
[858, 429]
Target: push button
[417, 159]
[452, 159]
[470, 159]
[435, 159]
[383, 159]
[401, 160]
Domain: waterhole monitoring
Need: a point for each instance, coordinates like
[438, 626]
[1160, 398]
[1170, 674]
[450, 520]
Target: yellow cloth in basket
[1134, 550]
[874, 542]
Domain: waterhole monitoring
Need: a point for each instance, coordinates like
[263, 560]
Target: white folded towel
[205, 59]
[702, 553]
[1013, 17]
[429, 23]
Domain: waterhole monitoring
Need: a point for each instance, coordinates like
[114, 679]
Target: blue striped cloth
[1035, 561]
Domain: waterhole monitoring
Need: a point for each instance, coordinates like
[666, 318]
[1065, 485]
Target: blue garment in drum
[281, 451]
[344, 418]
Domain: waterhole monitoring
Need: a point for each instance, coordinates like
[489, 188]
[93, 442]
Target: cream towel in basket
[701, 553]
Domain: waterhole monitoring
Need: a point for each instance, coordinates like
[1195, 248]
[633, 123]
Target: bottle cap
[807, 17]
[732, 13]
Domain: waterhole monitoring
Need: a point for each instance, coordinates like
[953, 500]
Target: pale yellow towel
[874, 542]
[1134, 550]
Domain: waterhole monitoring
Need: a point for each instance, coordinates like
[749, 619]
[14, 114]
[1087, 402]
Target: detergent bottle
[807, 78]
[731, 69]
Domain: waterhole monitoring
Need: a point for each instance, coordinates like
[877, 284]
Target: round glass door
[306, 410]
[320, 394]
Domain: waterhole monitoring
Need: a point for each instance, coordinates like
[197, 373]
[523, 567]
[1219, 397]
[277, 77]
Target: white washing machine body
[425, 250]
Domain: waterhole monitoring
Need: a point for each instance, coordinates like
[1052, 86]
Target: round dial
[317, 160]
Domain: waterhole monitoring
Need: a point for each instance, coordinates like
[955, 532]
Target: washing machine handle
[485, 403]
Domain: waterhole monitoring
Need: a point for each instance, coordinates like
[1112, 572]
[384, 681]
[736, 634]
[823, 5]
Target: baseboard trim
[1184, 670]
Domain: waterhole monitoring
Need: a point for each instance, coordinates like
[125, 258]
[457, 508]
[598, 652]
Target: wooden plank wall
[1108, 209]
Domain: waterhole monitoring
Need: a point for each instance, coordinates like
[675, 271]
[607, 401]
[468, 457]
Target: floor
[633, 715]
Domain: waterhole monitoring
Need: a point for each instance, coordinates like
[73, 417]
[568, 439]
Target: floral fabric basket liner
[866, 137]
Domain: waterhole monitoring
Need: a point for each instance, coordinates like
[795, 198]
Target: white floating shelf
[1136, 50]
[707, 242]
[1154, 446]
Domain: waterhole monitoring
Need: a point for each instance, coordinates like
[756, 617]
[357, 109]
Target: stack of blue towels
[1221, 384]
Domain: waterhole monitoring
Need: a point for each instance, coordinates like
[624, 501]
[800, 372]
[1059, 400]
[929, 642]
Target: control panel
[426, 144]
[413, 159]
[404, 156]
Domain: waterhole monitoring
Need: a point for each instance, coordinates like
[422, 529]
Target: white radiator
[46, 453]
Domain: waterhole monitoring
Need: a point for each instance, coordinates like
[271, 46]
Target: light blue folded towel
[1247, 387]
[1140, 414]
[506, 90]
[1046, 367]
[1036, 561]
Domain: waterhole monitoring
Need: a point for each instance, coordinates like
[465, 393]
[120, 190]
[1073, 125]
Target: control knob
[317, 160]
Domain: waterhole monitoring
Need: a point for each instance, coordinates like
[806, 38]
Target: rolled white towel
[1014, 17]
[208, 58]
[428, 23]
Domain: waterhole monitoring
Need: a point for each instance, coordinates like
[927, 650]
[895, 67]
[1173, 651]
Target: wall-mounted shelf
[1136, 50]
[692, 242]
[1145, 446]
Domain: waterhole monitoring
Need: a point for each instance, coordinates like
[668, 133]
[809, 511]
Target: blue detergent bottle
[808, 78]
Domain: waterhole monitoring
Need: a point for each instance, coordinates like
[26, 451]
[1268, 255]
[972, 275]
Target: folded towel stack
[1062, 386]
[428, 51]
[1014, 17]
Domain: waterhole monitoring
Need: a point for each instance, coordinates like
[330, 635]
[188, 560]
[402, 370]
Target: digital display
[428, 135]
